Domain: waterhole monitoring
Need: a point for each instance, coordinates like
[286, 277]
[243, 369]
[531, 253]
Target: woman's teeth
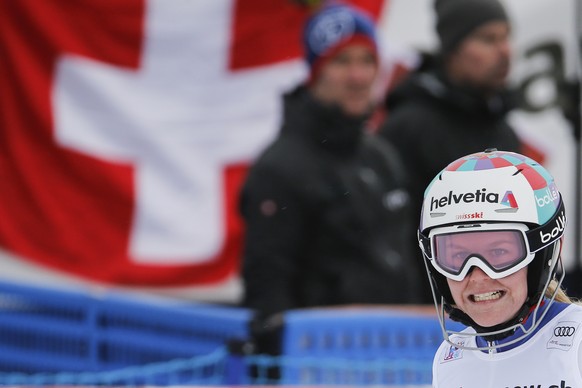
[487, 296]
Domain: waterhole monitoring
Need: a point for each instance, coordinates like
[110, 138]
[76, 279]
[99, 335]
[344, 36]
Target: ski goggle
[498, 249]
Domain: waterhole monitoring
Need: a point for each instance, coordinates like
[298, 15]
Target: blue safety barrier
[140, 332]
[358, 346]
[206, 370]
[49, 330]
[59, 337]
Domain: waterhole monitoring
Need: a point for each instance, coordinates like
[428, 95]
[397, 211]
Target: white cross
[179, 119]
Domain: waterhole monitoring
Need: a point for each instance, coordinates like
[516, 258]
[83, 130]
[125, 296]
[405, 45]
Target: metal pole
[574, 276]
[578, 148]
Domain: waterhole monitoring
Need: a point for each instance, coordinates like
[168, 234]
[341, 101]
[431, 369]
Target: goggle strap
[548, 233]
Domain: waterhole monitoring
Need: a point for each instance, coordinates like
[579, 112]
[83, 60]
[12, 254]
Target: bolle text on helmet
[479, 195]
[556, 231]
[550, 195]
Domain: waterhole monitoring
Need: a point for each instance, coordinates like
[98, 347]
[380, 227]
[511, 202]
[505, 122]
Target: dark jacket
[325, 210]
[432, 122]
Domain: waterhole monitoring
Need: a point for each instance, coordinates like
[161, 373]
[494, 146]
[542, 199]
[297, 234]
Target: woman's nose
[476, 273]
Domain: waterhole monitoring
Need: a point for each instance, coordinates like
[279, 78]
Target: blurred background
[127, 127]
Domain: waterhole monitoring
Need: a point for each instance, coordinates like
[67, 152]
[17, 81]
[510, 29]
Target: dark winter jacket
[325, 210]
[433, 122]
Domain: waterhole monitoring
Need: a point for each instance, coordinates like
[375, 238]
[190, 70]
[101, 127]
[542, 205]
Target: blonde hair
[561, 295]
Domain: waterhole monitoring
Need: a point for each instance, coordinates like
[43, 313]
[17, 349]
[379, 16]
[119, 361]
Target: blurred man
[456, 102]
[325, 205]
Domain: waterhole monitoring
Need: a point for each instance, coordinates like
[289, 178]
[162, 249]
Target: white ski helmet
[492, 192]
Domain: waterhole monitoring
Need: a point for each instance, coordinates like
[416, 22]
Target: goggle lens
[498, 249]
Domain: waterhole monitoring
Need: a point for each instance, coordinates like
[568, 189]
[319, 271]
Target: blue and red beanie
[331, 29]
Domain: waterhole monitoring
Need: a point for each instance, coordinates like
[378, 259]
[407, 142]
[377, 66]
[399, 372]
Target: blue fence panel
[45, 330]
[135, 332]
[207, 370]
[58, 337]
[362, 346]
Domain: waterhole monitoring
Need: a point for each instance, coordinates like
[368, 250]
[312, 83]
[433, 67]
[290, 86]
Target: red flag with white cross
[126, 128]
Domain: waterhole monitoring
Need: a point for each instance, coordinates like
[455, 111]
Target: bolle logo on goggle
[556, 231]
[478, 196]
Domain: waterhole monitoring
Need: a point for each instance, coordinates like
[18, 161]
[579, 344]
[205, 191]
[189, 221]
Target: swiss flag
[127, 127]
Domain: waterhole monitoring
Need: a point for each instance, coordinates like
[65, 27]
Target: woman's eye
[460, 256]
[498, 252]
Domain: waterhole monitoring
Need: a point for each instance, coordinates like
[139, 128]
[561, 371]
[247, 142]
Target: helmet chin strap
[457, 315]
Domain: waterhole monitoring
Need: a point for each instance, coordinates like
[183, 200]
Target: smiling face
[489, 301]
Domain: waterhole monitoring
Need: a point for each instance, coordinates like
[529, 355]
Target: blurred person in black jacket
[325, 205]
[456, 102]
